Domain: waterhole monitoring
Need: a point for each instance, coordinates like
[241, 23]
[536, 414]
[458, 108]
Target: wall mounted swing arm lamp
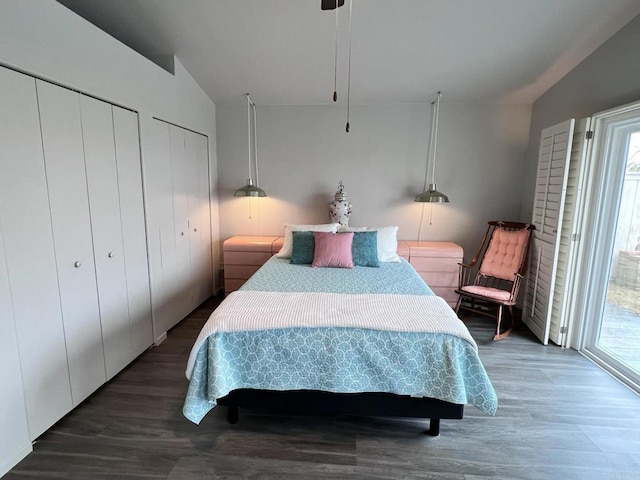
[251, 189]
[431, 194]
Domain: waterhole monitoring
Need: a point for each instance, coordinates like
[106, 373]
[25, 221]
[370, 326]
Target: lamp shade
[249, 190]
[432, 195]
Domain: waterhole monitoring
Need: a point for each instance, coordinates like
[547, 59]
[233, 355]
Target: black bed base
[314, 402]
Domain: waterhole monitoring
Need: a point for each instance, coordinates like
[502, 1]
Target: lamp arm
[436, 118]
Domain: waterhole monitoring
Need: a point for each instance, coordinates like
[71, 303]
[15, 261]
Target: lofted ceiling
[403, 51]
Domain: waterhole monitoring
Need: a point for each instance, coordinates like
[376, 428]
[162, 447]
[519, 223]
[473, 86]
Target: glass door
[612, 333]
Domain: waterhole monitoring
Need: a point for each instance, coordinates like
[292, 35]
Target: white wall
[304, 152]
[607, 78]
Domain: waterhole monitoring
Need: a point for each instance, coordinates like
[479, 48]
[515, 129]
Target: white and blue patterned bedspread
[278, 275]
[336, 358]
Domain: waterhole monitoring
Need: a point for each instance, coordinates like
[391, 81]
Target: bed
[361, 341]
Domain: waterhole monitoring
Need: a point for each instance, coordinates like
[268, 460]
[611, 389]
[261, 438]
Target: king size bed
[360, 341]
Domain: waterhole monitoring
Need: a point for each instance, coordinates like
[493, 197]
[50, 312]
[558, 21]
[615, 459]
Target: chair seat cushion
[493, 293]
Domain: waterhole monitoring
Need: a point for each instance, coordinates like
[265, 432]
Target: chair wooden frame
[469, 276]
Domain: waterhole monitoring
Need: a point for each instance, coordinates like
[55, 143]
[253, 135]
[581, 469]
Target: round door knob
[77, 264]
[110, 255]
[182, 233]
[195, 229]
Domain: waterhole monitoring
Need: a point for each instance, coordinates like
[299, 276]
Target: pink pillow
[333, 250]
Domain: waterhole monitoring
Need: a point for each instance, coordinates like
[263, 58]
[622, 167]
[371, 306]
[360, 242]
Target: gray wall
[304, 152]
[608, 78]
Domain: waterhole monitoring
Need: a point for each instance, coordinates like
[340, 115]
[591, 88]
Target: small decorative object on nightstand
[340, 208]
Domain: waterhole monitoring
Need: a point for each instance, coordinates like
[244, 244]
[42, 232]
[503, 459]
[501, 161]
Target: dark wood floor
[560, 417]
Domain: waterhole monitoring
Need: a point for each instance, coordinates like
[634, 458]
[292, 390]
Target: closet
[72, 220]
[179, 224]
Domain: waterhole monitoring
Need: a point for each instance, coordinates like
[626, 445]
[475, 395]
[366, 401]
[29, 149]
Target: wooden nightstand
[437, 264]
[243, 255]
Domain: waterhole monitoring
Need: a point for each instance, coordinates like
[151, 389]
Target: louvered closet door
[30, 257]
[102, 182]
[127, 144]
[548, 211]
[66, 178]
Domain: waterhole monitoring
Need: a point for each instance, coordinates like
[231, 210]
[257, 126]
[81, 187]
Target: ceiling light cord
[249, 135]
[434, 130]
[335, 61]
[349, 64]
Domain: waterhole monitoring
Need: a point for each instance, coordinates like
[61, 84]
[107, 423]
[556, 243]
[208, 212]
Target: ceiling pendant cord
[249, 135]
[335, 61]
[436, 116]
[349, 64]
[255, 141]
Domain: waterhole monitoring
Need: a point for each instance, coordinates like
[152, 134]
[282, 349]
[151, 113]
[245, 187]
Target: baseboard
[9, 463]
[160, 339]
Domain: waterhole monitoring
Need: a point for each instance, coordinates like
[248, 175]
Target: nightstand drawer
[245, 258]
[439, 264]
[439, 279]
[240, 271]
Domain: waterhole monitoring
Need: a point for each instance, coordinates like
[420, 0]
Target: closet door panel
[102, 181]
[205, 267]
[14, 430]
[30, 258]
[125, 124]
[195, 206]
[66, 177]
[162, 239]
[181, 190]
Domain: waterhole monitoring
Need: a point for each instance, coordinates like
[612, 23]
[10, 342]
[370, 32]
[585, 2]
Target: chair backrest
[505, 249]
[505, 254]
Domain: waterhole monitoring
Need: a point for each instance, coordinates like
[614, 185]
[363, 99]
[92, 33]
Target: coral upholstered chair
[492, 280]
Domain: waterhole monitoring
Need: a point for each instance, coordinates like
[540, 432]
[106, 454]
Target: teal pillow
[364, 249]
[303, 248]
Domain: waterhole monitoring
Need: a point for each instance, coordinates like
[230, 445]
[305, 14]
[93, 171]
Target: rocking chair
[499, 266]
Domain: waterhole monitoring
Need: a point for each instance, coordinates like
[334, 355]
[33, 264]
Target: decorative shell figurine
[340, 208]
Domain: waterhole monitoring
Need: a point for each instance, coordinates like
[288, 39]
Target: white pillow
[287, 246]
[387, 241]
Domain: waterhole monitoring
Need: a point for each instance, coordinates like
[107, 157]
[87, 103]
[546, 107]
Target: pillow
[303, 247]
[287, 246]
[387, 241]
[333, 250]
[365, 249]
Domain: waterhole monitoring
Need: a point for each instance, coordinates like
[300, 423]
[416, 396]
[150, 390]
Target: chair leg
[498, 335]
[458, 304]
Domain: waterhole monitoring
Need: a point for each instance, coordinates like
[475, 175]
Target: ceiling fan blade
[331, 4]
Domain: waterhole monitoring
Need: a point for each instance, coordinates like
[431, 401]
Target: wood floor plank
[559, 417]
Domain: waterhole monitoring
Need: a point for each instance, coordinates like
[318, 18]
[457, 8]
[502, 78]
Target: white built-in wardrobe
[95, 263]
[73, 230]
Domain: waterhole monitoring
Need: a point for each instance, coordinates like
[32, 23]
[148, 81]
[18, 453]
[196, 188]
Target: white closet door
[162, 238]
[180, 174]
[548, 211]
[205, 267]
[14, 430]
[127, 143]
[102, 181]
[196, 225]
[28, 239]
[66, 177]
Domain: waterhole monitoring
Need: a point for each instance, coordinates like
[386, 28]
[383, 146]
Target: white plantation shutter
[548, 211]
